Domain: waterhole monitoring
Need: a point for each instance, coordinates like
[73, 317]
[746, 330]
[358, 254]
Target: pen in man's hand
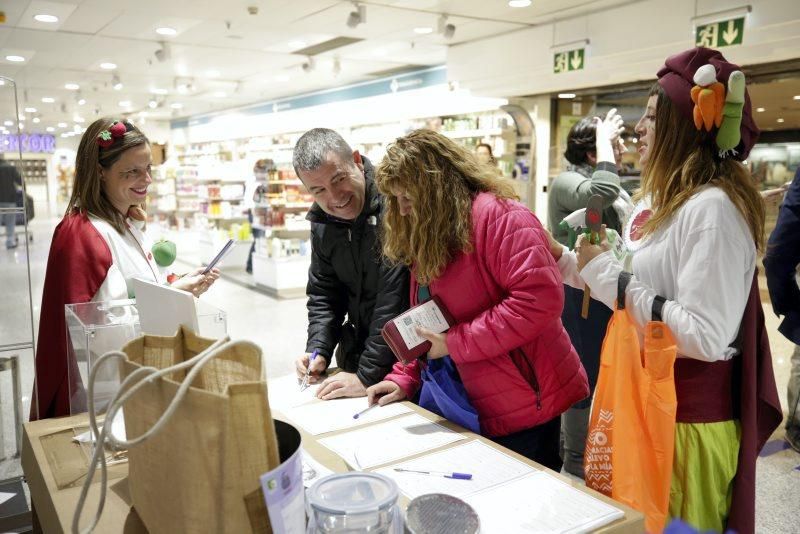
[304, 384]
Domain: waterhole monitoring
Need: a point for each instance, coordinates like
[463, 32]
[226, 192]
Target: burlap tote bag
[194, 464]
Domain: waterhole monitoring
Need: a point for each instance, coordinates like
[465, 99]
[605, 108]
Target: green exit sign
[723, 33]
[569, 60]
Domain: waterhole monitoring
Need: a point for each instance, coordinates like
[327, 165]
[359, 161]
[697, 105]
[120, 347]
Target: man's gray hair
[313, 147]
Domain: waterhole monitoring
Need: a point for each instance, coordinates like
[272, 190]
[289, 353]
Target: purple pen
[453, 475]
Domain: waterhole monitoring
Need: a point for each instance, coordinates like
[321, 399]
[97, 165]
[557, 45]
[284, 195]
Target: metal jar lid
[438, 513]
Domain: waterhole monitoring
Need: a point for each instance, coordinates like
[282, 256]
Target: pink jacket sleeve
[517, 256]
[407, 377]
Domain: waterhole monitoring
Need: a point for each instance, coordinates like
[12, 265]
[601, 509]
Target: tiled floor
[279, 327]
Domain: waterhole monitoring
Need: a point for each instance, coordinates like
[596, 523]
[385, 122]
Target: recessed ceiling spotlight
[78, 119]
[760, 110]
[519, 3]
[166, 30]
[159, 91]
[81, 101]
[423, 30]
[62, 125]
[72, 86]
[50, 19]
[566, 95]
[15, 59]
[48, 99]
[9, 123]
[781, 120]
[30, 110]
[796, 97]
[152, 104]
[37, 120]
[108, 65]
[50, 129]
[176, 105]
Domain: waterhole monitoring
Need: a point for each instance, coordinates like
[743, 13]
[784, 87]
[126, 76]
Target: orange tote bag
[631, 435]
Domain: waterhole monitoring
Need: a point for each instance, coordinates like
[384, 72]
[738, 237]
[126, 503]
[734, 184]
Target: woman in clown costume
[98, 248]
[692, 242]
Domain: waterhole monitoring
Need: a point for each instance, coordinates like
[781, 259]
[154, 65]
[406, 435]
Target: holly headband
[714, 107]
[117, 130]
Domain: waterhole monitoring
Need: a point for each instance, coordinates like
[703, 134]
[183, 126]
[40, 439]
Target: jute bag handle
[133, 383]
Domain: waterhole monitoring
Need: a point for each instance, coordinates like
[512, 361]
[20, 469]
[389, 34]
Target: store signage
[37, 143]
[568, 60]
[722, 33]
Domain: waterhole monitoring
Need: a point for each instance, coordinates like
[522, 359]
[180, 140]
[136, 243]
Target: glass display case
[95, 328]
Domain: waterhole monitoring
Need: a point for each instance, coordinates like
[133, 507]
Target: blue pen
[304, 384]
[453, 475]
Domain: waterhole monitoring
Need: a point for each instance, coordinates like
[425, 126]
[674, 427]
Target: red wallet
[400, 333]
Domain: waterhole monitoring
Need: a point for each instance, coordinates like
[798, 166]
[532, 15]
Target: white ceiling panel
[39, 7]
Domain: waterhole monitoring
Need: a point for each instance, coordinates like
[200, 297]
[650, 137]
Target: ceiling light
[423, 30]
[81, 101]
[446, 29]
[176, 105]
[125, 103]
[9, 123]
[46, 18]
[359, 16]
[21, 126]
[50, 129]
[212, 73]
[48, 99]
[519, 3]
[760, 110]
[15, 59]
[566, 95]
[297, 44]
[108, 65]
[21, 117]
[37, 120]
[166, 30]
[62, 125]
[2, 82]
[30, 110]
[220, 94]
[159, 91]
[78, 119]
[72, 86]
[780, 120]
[796, 97]
[152, 104]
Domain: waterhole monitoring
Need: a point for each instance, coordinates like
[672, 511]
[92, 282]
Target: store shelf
[462, 134]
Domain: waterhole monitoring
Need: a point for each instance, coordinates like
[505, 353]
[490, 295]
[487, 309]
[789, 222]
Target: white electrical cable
[133, 383]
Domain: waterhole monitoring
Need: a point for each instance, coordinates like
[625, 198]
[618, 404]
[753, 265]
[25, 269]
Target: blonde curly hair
[441, 178]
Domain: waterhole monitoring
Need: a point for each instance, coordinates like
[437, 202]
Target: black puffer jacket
[349, 276]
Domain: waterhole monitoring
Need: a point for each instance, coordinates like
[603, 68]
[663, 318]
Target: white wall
[627, 43]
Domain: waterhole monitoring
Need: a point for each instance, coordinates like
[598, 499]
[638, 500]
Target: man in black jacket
[10, 182]
[348, 274]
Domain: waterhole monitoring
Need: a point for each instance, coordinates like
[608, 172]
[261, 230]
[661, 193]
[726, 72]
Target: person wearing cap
[692, 241]
[98, 248]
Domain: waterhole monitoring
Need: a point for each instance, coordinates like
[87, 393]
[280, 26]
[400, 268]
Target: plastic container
[350, 503]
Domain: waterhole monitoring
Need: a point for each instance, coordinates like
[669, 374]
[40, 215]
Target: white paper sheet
[488, 467]
[6, 496]
[313, 470]
[284, 393]
[540, 503]
[320, 417]
[387, 442]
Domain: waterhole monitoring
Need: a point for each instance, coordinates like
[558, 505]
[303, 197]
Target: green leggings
[705, 462]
